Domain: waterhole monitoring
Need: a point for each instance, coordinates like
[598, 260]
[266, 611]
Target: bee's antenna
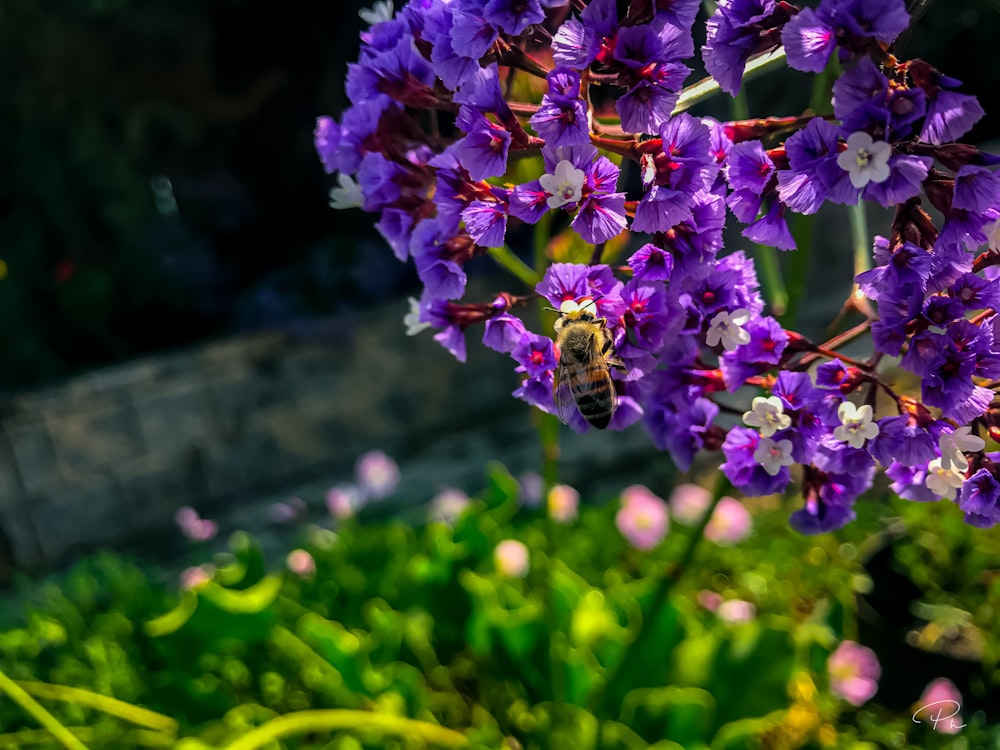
[552, 309]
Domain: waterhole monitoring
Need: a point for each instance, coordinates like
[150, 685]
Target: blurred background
[185, 320]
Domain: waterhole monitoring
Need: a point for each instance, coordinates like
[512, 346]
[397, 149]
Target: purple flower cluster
[470, 117]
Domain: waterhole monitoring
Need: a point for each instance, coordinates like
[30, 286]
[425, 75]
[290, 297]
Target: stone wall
[111, 455]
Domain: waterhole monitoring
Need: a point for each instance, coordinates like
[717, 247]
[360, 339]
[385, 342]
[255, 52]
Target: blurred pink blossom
[511, 559]
[735, 611]
[301, 563]
[688, 503]
[447, 505]
[854, 672]
[710, 600]
[196, 577]
[343, 501]
[730, 522]
[563, 503]
[193, 526]
[377, 475]
[643, 519]
[940, 705]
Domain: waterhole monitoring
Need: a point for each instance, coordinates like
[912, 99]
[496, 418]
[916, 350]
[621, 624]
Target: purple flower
[377, 475]
[437, 267]
[513, 16]
[535, 355]
[679, 427]
[910, 483]
[651, 263]
[673, 173]
[808, 41]
[738, 30]
[503, 333]
[483, 152]
[744, 471]
[326, 138]
[471, 34]
[828, 500]
[749, 171]
[486, 221]
[979, 499]
[950, 115]
[562, 117]
[909, 439]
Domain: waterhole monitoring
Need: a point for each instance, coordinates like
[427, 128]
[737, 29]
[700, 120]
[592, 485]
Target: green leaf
[680, 714]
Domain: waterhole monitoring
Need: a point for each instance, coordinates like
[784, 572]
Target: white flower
[856, 425]
[768, 414]
[865, 159]
[382, 10]
[565, 186]
[348, 195]
[727, 329]
[572, 307]
[941, 481]
[412, 319]
[772, 456]
[954, 446]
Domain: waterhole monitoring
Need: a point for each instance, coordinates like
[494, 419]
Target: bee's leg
[616, 363]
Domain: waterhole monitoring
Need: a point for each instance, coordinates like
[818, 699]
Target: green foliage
[410, 637]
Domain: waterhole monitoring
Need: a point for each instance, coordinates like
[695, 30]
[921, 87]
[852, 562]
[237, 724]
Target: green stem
[43, 717]
[771, 279]
[137, 715]
[708, 87]
[798, 266]
[330, 720]
[860, 239]
[505, 257]
[636, 650]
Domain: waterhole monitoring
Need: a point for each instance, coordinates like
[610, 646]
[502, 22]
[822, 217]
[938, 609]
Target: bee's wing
[562, 394]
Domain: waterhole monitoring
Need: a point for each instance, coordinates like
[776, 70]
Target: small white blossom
[572, 307]
[866, 160]
[856, 425]
[564, 186]
[382, 10]
[941, 481]
[727, 329]
[954, 446]
[772, 456]
[768, 414]
[412, 319]
[348, 195]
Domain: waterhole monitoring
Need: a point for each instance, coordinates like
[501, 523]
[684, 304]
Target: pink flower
[854, 672]
[710, 600]
[735, 611]
[688, 503]
[301, 563]
[511, 559]
[643, 518]
[343, 501]
[940, 704]
[377, 475]
[730, 523]
[193, 526]
[447, 505]
[196, 577]
[563, 503]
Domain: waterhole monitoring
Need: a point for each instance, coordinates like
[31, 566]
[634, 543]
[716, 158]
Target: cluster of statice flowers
[451, 98]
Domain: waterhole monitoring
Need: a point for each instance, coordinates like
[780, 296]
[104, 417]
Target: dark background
[158, 183]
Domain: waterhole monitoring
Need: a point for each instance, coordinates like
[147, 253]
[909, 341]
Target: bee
[586, 356]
